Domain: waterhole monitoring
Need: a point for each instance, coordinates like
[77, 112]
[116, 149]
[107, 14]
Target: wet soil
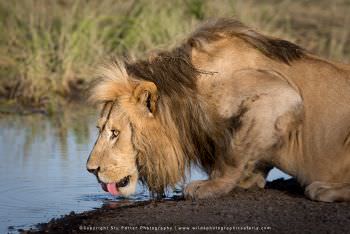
[280, 208]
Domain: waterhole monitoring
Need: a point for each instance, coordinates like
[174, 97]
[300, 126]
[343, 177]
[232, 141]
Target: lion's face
[134, 141]
[113, 158]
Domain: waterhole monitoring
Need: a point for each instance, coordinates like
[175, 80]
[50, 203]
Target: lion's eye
[115, 133]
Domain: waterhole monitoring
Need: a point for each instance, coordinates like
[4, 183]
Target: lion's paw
[200, 189]
[191, 188]
[321, 191]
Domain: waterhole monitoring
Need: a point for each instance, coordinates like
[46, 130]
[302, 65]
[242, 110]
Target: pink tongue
[112, 189]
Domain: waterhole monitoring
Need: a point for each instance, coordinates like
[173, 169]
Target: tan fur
[237, 103]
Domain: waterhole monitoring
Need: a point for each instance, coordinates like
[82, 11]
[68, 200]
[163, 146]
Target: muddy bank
[281, 208]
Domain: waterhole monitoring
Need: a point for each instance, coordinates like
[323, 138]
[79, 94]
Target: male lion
[235, 102]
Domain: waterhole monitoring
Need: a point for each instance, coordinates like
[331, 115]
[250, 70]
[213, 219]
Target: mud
[280, 208]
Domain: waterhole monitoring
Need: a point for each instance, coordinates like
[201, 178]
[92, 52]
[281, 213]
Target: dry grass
[49, 49]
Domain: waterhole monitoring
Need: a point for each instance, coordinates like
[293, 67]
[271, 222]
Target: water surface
[42, 169]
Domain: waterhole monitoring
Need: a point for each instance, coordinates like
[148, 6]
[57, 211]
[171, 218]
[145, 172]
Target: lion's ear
[146, 94]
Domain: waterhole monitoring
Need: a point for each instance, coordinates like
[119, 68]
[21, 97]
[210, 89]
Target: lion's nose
[93, 170]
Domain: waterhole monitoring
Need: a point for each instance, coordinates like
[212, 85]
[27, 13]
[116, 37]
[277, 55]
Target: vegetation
[49, 49]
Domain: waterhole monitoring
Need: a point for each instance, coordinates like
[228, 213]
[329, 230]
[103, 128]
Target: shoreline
[280, 208]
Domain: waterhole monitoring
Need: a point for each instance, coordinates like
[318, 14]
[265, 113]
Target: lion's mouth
[113, 188]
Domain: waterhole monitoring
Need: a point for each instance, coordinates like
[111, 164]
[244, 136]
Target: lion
[231, 100]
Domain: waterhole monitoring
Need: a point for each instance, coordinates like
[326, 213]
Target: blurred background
[49, 51]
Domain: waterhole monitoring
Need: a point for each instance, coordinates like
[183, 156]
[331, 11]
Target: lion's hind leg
[328, 192]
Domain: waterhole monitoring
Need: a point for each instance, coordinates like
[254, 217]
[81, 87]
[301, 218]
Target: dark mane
[175, 78]
[273, 48]
[172, 72]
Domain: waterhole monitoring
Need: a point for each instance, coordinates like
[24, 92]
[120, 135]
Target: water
[43, 173]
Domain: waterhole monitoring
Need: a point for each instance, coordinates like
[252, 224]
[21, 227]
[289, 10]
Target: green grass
[50, 49]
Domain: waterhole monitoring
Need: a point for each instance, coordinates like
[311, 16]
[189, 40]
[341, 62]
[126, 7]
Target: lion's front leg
[215, 186]
[222, 180]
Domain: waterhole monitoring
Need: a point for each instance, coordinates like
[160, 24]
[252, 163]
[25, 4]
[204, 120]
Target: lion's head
[134, 140]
